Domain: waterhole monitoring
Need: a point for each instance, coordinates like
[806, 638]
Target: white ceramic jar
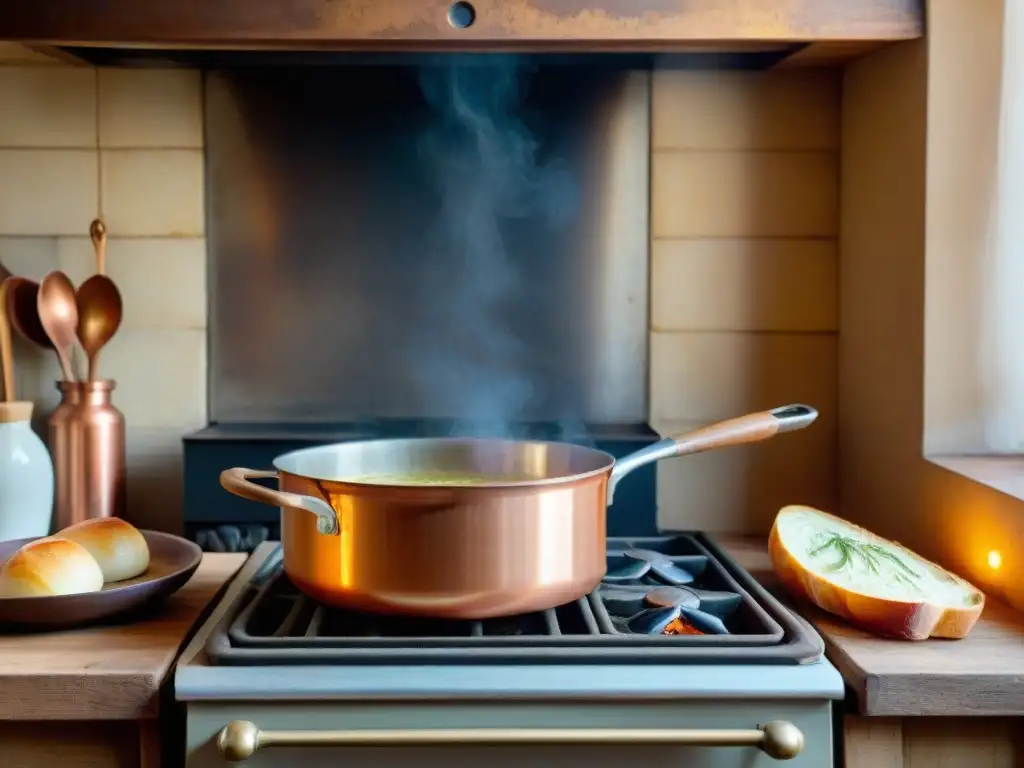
[26, 476]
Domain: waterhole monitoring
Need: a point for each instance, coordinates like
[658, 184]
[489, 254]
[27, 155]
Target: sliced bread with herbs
[873, 583]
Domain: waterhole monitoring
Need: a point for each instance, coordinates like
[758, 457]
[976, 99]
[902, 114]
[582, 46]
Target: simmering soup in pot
[435, 478]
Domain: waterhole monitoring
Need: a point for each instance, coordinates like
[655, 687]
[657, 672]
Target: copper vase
[87, 444]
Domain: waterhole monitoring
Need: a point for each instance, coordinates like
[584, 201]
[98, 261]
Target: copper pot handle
[751, 428]
[237, 481]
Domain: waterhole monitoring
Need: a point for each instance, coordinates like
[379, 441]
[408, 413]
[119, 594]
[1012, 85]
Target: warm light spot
[994, 560]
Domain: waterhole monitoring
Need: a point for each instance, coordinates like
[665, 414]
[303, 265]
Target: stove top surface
[670, 599]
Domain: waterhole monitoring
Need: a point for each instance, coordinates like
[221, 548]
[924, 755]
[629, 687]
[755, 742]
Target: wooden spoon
[58, 312]
[6, 347]
[23, 310]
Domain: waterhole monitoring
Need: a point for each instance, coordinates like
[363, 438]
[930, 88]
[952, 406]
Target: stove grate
[274, 623]
[277, 614]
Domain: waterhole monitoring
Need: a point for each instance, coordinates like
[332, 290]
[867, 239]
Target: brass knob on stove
[238, 740]
[782, 740]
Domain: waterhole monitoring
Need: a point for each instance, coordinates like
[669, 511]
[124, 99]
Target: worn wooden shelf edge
[981, 675]
[425, 25]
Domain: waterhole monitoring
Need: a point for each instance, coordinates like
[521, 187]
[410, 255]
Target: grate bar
[588, 616]
[551, 622]
[285, 630]
[315, 622]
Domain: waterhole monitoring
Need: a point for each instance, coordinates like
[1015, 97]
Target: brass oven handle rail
[241, 739]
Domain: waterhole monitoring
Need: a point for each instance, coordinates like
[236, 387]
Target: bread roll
[117, 545]
[48, 567]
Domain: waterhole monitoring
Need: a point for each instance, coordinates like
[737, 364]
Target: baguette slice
[873, 583]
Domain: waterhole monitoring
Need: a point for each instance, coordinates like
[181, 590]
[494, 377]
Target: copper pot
[528, 543]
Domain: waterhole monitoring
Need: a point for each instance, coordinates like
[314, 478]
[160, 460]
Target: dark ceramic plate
[172, 561]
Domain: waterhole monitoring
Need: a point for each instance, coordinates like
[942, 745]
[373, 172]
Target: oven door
[694, 734]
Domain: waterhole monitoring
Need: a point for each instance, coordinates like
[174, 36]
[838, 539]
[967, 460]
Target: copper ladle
[58, 313]
[99, 304]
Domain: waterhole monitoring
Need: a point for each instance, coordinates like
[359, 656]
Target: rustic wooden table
[91, 697]
[930, 704]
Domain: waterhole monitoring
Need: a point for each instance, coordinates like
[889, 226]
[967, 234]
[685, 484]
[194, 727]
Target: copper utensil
[23, 310]
[530, 540]
[6, 346]
[99, 317]
[99, 304]
[58, 313]
[98, 235]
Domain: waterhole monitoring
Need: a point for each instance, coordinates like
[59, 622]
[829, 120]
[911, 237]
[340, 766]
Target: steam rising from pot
[490, 177]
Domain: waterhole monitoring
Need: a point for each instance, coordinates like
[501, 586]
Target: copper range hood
[802, 29]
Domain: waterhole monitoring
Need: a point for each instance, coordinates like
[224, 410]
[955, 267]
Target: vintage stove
[533, 325]
[679, 657]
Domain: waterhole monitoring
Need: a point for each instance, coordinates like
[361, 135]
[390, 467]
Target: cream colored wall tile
[150, 108]
[160, 374]
[744, 285]
[153, 192]
[77, 259]
[29, 256]
[744, 194]
[47, 192]
[155, 478]
[16, 54]
[710, 376]
[36, 372]
[739, 490]
[162, 280]
[797, 109]
[48, 107]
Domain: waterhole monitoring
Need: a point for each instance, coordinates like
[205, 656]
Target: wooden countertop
[983, 674]
[110, 672]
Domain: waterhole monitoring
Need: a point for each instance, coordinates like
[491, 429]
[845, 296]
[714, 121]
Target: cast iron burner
[650, 593]
[671, 599]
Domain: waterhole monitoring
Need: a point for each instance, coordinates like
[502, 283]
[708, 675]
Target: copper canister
[88, 447]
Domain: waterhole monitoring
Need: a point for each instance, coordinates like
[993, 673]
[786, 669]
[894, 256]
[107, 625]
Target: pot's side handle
[238, 482]
[751, 428]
